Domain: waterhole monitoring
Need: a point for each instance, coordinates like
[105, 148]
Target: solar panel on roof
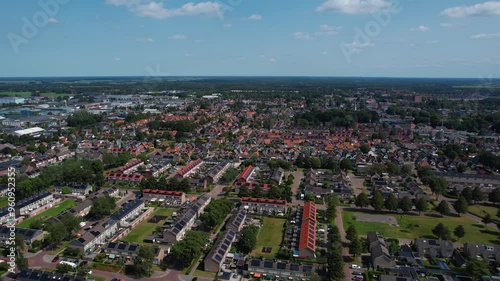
[218, 258]
[111, 244]
[132, 248]
[307, 268]
[432, 242]
[281, 265]
[221, 252]
[294, 267]
[268, 264]
[122, 246]
[255, 263]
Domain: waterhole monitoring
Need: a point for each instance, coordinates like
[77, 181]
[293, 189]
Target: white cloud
[117, 59]
[446, 24]
[421, 28]
[273, 60]
[178, 37]
[53, 20]
[486, 36]
[302, 36]
[328, 29]
[356, 47]
[431, 42]
[188, 55]
[240, 58]
[157, 10]
[228, 25]
[353, 7]
[412, 45]
[198, 41]
[489, 8]
[255, 17]
[324, 53]
[145, 40]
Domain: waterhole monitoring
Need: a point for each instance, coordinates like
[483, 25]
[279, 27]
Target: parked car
[355, 266]
[55, 259]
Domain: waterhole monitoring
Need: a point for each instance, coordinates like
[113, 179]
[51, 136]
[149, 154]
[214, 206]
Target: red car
[55, 259]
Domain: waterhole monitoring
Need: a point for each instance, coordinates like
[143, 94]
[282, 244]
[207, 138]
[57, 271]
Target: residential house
[245, 176]
[28, 235]
[27, 206]
[237, 221]
[179, 229]
[380, 258]
[277, 269]
[5, 215]
[171, 198]
[76, 188]
[189, 169]
[217, 255]
[277, 176]
[481, 251]
[307, 241]
[97, 235]
[214, 175]
[130, 250]
[263, 206]
[433, 248]
[128, 212]
[38, 275]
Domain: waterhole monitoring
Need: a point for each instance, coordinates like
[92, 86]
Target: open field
[28, 94]
[201, 273]
[269, 236]
[144, 229]
[411, 226]
[4, 201]
[482, 210]
[52, 212]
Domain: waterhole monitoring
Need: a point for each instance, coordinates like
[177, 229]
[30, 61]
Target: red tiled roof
[163, 192]
[262, 201]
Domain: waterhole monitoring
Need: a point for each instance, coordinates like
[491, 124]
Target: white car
[355, 266]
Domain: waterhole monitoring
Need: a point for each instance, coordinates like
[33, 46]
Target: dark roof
[28, 234]
[126, 209]
[37, 275]
[27, 201]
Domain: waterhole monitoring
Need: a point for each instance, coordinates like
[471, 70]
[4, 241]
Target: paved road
[298, 175]
[345, 251]
[357, 184]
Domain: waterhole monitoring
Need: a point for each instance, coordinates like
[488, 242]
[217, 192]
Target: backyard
[144, 229]
[412, 226]
[4, 202]
[482, 210]
[52, 212]
[270, 235]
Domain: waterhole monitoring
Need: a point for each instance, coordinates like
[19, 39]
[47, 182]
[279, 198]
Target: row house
[27, 206]
[245, 176]
[307, 241]
[39, 275]
[128, 212]
[95, 237]
[171, 198]
[44, 162]
[237, 221]
[263, 206]
[189, 169]
[29, 235]
[380, 258]
[129, 251]
[217, 172]
[277, 270]
[76, 188]
[125, 177]
[217, 255]
[5, 215]
[130, 167]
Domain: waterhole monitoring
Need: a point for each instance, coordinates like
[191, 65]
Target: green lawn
[482, 210]
[4, 201]
[269, 236]
[202, 273]
[144, 229]
[421, 226]
[28, 94]
[52, 212]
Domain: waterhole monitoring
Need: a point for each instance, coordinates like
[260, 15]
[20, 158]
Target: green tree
[102, 207]
[378, 200]
[143, 262]
[82, 270]
[335, 263]
[405, 204]
[244, 192]
[57, 233]
[365, 148]
[441, 231]
[21, 261]
[443, 208]
[494, 196]
[66, 190]
[421, 205]
[64, 268]
[248, 239]
[487, 219]
[477, 194]
[459, 231]
[461, 205]
[476, 269]
[355, 247]
[391, 202]
[362, 200]
[467, 193]
[345, 164]
[351, 233]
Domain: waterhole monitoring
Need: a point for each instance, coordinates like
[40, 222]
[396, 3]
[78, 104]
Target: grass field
[28, 94]
[201, 273]
[4, 201]
[269, 236]
[144, 229]
[482, 210]
[52, 212]
[421, 226]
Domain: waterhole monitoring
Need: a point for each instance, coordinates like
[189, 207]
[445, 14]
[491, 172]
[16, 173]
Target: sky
[361, 38]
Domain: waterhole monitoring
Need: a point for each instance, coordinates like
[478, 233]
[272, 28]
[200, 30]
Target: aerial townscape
[246, 140]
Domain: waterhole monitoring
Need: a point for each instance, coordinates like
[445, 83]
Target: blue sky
[405, 38]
